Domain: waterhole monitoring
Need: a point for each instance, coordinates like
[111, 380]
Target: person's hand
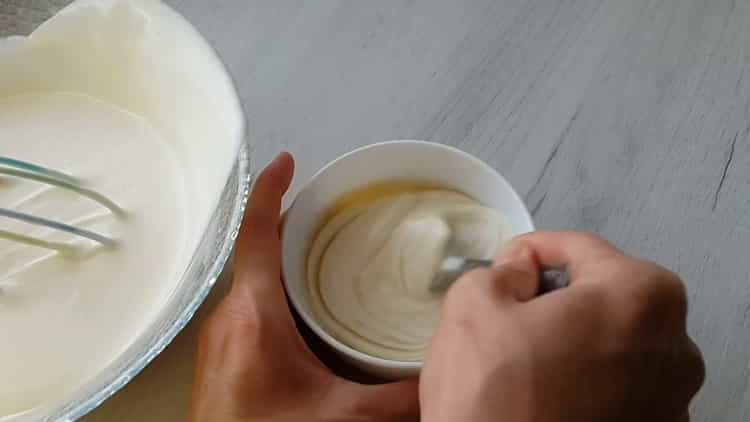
[610, 347]
[252, 364]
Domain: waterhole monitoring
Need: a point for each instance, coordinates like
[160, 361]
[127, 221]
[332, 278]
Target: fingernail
[280, 157]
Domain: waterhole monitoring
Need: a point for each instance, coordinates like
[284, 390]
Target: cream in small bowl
[364, 237]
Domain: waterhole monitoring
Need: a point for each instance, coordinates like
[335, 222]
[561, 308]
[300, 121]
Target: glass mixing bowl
[204, 269]
[207, 263]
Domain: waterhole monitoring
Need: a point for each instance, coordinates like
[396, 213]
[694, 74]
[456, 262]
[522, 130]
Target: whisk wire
[39, 221]
[33, 241]
[35, 168]
[61, 183]
[30, 171]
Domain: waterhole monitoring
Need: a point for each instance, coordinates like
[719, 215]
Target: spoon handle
[550, 278]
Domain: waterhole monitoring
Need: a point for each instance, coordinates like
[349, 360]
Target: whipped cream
[371, 264]
[63, 317]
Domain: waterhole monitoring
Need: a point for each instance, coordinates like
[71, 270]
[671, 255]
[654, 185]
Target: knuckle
[653, 294]
[519, 283]
[662, 288]
[480, 291]
[698, 372]
[494, 285]
[676, 293]
[473, 281]
[244, 323]
[235, 311]
[590, 237]
[695, 366]
[594, 241]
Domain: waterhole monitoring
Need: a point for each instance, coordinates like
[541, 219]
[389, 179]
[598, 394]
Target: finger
[397, 401]
[258, 253]
[575, 250]
[521, 267]
[515, 276]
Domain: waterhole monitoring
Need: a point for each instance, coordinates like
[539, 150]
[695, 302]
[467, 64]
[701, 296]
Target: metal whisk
[37, 173]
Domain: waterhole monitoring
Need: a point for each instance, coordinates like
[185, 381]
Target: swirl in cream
[370, 266]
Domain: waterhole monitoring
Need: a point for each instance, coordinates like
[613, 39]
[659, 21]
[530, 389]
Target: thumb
[514, 278]
[519, 267]
[398, 401]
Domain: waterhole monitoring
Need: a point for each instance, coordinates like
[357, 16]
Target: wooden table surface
[626, 118]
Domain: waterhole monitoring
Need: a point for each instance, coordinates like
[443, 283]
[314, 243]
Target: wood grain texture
[627, 118]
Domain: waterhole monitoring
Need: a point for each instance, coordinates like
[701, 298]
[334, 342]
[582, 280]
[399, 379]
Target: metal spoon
[453, 267]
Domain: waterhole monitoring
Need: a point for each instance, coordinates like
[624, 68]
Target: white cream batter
[125, 95]
[64, 317]
[371, 264]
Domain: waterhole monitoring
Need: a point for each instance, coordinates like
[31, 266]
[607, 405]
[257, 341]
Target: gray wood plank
[627, 118]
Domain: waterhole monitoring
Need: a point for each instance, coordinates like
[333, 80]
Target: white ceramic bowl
[387, 161]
